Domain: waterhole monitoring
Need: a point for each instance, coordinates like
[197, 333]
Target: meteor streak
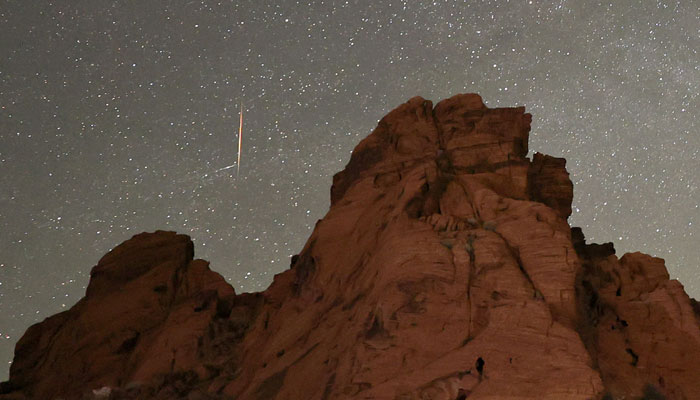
[238, 164]
[240, 138]
[218, 170]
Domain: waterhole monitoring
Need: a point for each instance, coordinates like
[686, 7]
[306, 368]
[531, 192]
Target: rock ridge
[444, 269]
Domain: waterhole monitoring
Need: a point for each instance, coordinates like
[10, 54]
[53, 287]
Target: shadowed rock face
[444, 269]
[148, 315]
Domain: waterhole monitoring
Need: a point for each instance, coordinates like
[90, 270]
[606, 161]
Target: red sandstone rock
[128, 327]
[444, 269]
[639, 326]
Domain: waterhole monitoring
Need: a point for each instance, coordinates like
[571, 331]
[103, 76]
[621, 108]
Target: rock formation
[444, 269]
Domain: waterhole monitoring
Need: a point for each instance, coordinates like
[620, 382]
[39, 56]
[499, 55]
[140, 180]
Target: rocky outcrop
[444, 269]
[639, 326]
[148, 312]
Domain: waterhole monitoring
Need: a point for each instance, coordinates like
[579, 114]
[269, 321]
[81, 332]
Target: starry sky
[117, 117]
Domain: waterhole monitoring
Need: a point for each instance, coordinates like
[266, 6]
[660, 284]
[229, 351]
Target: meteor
[217, 171]
[240, 138]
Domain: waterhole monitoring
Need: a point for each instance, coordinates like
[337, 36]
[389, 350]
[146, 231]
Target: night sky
[116, 115]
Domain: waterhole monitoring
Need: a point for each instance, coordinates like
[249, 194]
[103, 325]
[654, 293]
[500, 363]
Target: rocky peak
[129, 325]
[444, 269]
[453, 135]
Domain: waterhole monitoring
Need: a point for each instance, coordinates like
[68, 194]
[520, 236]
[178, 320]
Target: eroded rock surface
[444, 269]
[146, 318]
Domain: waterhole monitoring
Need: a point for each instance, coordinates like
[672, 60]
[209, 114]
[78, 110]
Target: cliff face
[444, 269]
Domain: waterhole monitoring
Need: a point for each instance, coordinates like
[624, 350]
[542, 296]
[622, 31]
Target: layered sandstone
[146, 311]
[444, 269]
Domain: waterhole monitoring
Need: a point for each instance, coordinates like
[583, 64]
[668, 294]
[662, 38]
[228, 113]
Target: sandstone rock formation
[444, 269]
